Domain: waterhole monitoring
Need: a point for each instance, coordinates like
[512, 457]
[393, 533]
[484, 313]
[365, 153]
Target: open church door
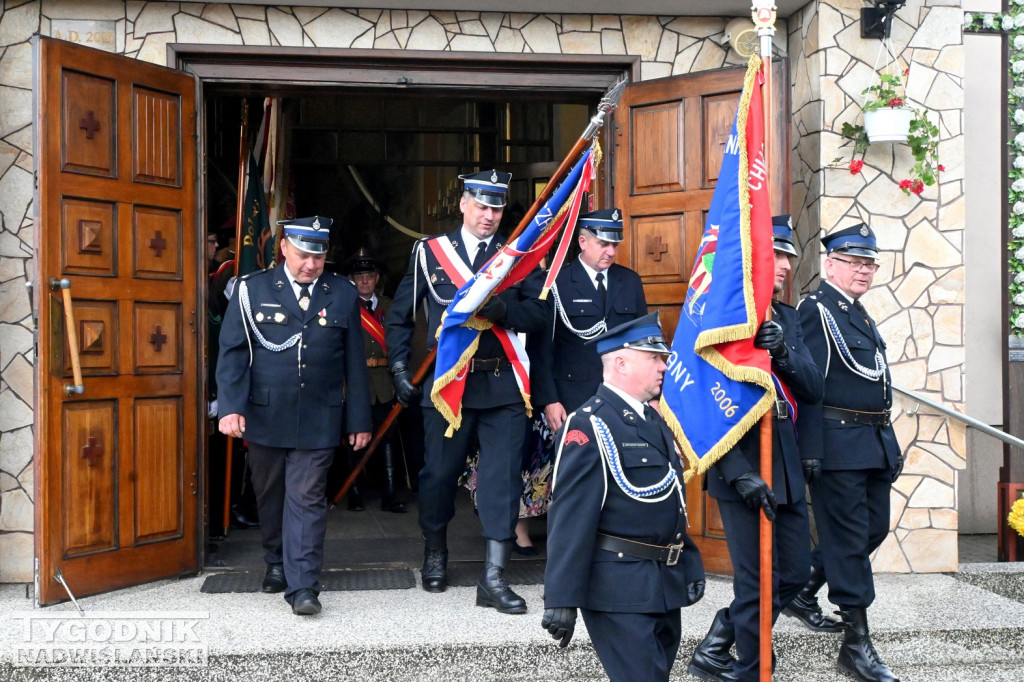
[116, 477]
[668, 136]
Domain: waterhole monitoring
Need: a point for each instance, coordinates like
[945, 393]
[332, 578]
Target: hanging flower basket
[888, 124]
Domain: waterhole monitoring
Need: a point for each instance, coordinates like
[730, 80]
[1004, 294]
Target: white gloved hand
[211, 409]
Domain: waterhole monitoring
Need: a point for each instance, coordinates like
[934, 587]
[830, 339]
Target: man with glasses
[851, 433]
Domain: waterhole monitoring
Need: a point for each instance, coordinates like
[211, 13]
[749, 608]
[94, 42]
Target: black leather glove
[494, 310]
[812, 469]
[769, 336]
[898, 468]
[561, 623]
[694, 592]
[756, 493]
[405, 390]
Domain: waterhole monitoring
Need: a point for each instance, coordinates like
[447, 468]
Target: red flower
[905, 184]
[941, 168]
[917, 187]
[906, 72]
[855, 166]
[896, 102]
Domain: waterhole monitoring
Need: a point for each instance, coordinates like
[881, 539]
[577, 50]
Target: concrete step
[927, 627]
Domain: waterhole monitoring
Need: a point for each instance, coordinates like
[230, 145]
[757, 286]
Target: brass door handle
[78, 388]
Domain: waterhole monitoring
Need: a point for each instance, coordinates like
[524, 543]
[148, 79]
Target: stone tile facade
[918, 293]
[919, 297]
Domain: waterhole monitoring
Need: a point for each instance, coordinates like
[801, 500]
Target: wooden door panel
[87, 237]
[88, 124]
[670, 136]
[116, 467]
[89, 476]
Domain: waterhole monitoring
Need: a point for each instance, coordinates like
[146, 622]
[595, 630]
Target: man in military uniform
[741, 492]
[617, 543]
[291, 353]
[365, 273]
[493, 410]
[850, 431]
[590, 295]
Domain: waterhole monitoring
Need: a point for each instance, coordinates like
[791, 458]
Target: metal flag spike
[58, 575]
[608, 102]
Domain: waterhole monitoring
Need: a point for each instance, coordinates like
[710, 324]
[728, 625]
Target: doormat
[330, 581]
[519, 572]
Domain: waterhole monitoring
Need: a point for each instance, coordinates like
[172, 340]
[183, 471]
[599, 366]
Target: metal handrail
[970, 421]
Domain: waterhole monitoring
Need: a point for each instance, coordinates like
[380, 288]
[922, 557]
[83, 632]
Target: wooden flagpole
[607, 104]
[243, 148]
[763, 15]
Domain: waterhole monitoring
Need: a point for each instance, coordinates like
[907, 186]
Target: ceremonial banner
[459, 332]
[257, 249]
[718, 385]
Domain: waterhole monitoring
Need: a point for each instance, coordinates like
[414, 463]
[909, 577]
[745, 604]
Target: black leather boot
[355, 496]
[492, 590]
[857, 656]
[389, 501]
[711, 659]
[435, 560]
[806, 609]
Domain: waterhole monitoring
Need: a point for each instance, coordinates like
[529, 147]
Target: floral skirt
[538, 459]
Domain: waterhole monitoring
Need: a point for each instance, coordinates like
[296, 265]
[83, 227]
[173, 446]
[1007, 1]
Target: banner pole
[763, 15]
[243, 148]
[607, 104]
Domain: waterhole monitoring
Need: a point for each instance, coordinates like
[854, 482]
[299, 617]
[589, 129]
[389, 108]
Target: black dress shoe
[391, 503]
[355, 500]
[273, 580]
[240, 520]
[305, 603]
[524, 550]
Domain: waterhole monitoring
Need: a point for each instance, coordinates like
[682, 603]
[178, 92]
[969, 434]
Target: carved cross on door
[158, 243]
[89, 124]
[158, 339]
[658, 248]
[92, 450]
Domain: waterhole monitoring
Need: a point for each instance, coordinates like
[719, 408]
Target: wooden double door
[117, 466]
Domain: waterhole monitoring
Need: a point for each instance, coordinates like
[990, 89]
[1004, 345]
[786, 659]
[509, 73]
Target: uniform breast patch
[576, 436]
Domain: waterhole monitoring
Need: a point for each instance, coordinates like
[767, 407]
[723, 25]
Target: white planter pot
[888, 124]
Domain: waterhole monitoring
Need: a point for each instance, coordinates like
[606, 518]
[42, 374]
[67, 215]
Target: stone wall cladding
[918, 293]
[667, 46]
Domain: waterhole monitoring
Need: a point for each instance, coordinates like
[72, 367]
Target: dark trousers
[791, 549]
[635, 647]
[291, 498]
[851, 509]
[499, 432]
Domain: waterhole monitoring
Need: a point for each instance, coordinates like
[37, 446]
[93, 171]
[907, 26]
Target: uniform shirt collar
[637, 406]
[373, 297]
[841, 292]
[471, 242]
[296, 287]
[592, 274]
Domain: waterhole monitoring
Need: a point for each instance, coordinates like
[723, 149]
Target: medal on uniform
[323, 317]
[304, 302]
[279, 317]
[259, 317]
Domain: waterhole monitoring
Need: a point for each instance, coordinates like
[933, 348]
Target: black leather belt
[489, 364]
[856, 417]
[641, 550]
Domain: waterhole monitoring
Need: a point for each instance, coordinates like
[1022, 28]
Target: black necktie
[650, 414]
[480, 258]
[304, 296]
[368, 304]
[602, 293]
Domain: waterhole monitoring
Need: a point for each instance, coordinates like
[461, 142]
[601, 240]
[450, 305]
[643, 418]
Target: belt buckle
[497, 368]
[674, 552]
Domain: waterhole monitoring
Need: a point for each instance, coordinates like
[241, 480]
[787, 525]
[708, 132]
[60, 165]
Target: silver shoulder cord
[243, 302]
[610, 455]
[422, 263]
[829, 323]
[589, 333]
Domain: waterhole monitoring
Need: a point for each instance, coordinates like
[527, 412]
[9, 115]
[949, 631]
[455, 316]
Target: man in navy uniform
[851, 432]
[291, 374]
[741, 493]
[617, 543]
[590, 295]
[493, 408]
